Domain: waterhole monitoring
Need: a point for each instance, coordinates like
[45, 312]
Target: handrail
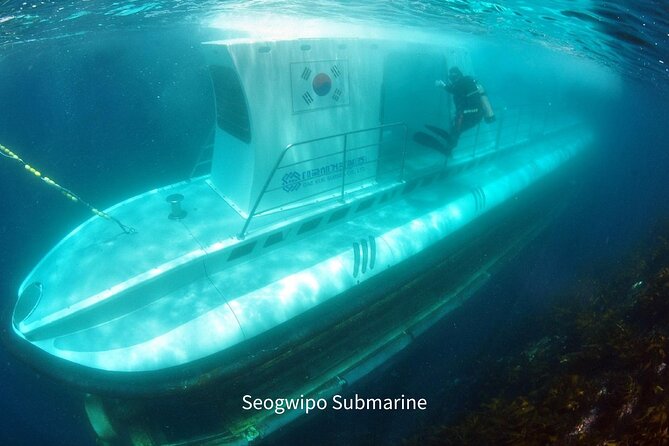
[514, 124]
[277, 165]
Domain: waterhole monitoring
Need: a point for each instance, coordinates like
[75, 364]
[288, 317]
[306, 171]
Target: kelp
[596, 372]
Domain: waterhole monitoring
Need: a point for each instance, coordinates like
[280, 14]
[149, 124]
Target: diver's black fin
[440, 132]
[430, 141]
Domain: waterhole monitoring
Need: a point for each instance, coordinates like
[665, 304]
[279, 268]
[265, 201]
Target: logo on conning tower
[291, 181]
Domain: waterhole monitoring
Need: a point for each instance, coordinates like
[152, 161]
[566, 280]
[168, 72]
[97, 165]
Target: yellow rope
[68, 193]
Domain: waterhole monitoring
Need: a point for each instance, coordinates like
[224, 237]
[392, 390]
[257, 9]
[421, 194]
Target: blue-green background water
[113, 98]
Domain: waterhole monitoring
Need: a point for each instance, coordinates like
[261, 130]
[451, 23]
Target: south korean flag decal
[319, 84]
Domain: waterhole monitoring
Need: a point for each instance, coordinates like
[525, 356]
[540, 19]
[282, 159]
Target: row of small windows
[307, 226]
[341, 213]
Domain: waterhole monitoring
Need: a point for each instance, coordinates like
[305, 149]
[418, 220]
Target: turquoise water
[113, 98]
[628, 37]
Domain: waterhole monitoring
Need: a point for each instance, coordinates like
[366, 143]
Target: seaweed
[595, 374]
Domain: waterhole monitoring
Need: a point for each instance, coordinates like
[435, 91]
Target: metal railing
[344, 152]
[513, 126]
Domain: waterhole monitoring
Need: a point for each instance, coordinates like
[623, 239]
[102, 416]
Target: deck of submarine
[97, 259]
[112, 258]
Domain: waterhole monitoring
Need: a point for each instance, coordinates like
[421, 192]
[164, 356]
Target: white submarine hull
[169, 296]
[325, 351]
[308, 315]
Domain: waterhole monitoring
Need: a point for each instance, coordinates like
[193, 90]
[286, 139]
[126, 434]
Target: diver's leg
[470, 120]
[456, 129]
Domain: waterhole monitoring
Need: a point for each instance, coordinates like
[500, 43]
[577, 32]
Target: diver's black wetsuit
[467, 99]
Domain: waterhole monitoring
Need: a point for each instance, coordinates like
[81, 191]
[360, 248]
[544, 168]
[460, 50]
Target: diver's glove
[439, 83]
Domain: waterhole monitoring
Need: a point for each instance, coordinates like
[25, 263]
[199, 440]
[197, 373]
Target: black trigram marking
[306, 73]
[307, 98]
[336, 72]
[336, 94]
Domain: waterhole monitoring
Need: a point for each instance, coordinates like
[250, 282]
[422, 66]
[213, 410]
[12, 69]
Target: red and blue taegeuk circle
[322, 84]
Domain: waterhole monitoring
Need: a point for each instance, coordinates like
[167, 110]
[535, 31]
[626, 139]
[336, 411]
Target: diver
[471, 104]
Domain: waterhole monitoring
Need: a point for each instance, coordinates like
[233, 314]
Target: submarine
[325, 228]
